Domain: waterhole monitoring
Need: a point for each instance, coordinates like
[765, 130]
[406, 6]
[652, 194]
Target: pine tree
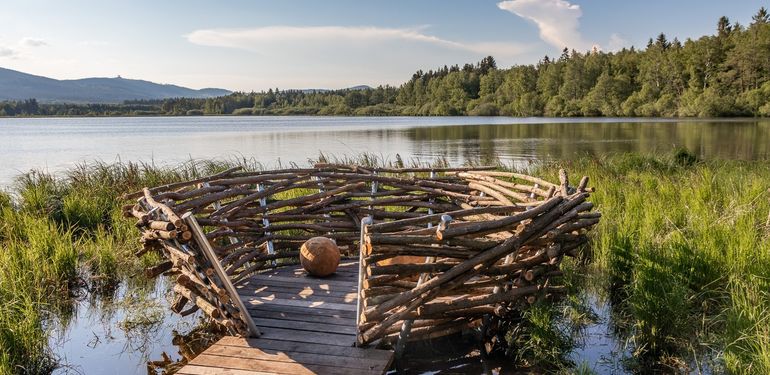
[723, 27]
[486, 64]
[761, 17]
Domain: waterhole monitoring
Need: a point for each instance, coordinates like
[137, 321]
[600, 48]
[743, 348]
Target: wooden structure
[437, 249]
[307, 326]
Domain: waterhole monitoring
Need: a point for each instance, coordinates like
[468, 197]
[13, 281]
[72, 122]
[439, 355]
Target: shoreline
[567, 119]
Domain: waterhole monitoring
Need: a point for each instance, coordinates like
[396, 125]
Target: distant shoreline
[631, 118]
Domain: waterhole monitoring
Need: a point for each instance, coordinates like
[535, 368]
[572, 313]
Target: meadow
[681, 255]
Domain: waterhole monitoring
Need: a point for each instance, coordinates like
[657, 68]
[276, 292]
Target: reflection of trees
[717, 139]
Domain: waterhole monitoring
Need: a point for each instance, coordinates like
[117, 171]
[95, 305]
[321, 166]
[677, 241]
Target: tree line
[724, 74]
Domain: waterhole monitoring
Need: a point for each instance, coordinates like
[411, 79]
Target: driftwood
[499, 250]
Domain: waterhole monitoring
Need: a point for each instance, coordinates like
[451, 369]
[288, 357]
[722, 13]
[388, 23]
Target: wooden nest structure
[435, 250]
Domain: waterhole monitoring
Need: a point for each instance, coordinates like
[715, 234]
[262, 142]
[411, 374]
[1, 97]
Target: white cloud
[617, 42]
[557, 20]
[18, 49]
[33, 42]
[340, 56]
[7, 52]
[266, 40]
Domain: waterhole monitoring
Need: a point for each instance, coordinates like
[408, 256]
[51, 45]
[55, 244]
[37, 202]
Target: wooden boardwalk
[308, 326]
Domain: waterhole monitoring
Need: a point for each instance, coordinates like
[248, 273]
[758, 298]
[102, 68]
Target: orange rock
[319, 256]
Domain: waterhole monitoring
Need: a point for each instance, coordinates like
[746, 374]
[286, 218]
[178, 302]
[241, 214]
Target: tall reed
[684, 249]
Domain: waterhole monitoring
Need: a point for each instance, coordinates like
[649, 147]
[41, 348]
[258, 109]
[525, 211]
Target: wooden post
[406, 327]
[266, 223]
[365, 222]
[208, 252]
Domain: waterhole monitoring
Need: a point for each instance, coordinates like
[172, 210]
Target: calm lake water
[119, 334]
[57, 143]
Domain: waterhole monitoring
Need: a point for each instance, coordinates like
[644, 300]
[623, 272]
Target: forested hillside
[725, 74]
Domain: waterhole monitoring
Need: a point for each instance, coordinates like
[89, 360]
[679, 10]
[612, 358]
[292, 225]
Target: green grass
[57, 233]
[683, 250]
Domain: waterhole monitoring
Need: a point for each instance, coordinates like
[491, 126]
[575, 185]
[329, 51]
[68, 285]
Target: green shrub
[243, 111]
[485, 109]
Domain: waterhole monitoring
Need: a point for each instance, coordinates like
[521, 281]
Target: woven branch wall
[502, 238]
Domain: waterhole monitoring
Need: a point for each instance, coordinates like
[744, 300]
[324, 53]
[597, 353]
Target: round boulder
[319, 256]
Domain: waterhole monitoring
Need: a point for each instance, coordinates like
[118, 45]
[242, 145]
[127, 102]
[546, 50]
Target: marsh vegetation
[681, 257]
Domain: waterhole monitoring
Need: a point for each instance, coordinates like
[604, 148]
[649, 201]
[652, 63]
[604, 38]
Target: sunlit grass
[683, 246]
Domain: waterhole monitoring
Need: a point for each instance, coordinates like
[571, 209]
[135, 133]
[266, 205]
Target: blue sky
[255, 45]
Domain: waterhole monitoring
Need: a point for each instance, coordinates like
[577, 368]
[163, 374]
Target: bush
[684, 157]
[84, 212]
[485, 109]
[378, 110]
[243, 111]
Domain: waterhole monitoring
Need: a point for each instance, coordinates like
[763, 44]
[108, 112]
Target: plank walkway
[308, 326]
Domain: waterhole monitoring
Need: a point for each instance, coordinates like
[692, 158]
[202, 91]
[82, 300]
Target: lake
[114, 334]
[55, 144]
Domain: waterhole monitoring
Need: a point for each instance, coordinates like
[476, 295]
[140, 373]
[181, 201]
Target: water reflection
[58, 143]
[118, 332]
[745, 140]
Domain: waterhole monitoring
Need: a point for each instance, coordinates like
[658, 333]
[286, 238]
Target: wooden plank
[305, 336]
[307, 326]
[208, 251]
[299, 290]
[343, 269]
[301, 287]
[307, 297]
[292, 346]
[305, 291]
[270, 295]
[304, 304]
[304, 326]
[255, 280]
[292, 357]
[297, 317]
[205, 370]
[310, 287]
[301, 273]
[274, 367]
[340, 314]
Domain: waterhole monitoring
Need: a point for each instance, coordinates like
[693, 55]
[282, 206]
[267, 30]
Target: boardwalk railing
[438, 248]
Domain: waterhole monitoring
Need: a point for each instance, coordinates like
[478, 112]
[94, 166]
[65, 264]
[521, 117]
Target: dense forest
[725, 74]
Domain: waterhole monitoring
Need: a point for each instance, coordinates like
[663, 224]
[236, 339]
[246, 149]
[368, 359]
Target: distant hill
[312, 91]
[15, 85]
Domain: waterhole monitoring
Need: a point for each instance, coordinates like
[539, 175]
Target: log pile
[439, 248]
